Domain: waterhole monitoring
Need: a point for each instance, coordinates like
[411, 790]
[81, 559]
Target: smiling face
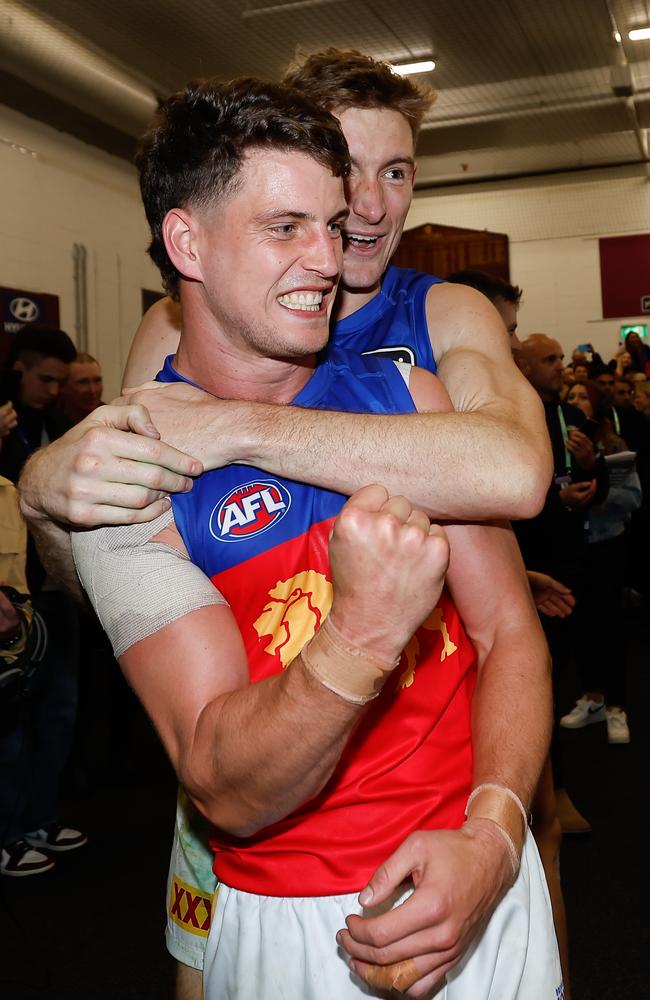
[269, 256]
[379, 191]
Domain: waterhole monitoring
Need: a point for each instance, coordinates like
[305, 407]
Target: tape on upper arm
[137, 586]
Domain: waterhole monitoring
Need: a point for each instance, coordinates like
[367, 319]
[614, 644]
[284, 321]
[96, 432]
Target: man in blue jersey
[491, 456]
[257, 257]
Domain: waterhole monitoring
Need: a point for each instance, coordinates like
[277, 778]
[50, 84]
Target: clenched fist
[388, 569]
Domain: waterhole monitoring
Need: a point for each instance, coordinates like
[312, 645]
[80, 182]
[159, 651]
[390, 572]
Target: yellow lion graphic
[295, 610]
[434, 623]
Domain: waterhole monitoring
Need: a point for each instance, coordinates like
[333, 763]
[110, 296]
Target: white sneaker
[585, 712]
[618, 730]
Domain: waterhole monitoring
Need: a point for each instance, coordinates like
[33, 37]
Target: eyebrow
[392, 162]
[287, 213]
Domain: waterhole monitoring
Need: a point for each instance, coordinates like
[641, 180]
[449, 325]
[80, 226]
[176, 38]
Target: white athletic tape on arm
[137, 586]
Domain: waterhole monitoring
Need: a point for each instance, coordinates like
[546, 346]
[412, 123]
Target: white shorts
[270, 948]
[191, 885]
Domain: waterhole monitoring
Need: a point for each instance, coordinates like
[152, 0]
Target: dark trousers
[602, 654]
[35, 742]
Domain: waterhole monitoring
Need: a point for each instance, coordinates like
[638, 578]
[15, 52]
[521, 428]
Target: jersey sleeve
[138, 586]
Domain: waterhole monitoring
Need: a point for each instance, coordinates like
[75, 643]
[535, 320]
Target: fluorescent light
[406, 69]
[638, 34]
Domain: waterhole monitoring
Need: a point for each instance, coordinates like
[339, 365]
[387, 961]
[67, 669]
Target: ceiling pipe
[525, 110]
[641, 134]
[48, 58]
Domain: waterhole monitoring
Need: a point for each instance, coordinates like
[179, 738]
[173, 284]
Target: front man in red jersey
[243, 190]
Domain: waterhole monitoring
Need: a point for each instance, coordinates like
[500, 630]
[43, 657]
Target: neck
[227, 367]
[350, 300]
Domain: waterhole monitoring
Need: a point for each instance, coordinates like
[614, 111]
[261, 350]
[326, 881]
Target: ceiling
[523, 88]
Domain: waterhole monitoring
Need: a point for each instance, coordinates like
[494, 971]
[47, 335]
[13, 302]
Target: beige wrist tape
[503, 807]
[347, 670]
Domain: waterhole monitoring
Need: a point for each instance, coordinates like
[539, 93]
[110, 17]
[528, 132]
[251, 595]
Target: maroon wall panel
[624, 274]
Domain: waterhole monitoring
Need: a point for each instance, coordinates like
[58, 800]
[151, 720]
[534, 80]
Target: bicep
[185, 666]
[156, 337]
[488, 583]
[473, 355]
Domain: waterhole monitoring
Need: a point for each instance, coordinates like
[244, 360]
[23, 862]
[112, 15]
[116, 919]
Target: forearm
[455, 466]
[261, 751]
[512, 718]
[55, 552]
[52, 541]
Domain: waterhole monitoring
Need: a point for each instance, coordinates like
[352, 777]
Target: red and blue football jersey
[263, 541]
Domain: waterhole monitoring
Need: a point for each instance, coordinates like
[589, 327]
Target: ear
[179, 234]
[19, 366]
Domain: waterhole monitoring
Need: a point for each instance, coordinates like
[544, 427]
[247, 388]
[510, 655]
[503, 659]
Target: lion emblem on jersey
[294, 611]
[434, 623]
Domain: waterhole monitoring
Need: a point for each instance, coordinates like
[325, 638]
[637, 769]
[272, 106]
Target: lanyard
[567, 453]
[617, 423]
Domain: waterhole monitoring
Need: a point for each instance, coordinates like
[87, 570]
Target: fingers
[398, 976]
[370, 498]
[401, 974]
[106, 514]
[399, 507]
[124, 483]
[101, 444]
[395, 870]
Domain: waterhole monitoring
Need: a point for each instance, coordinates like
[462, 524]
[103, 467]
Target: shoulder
[459, 317]
[139, 578]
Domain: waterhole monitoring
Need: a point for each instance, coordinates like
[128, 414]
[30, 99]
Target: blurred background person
[37, 748]
[82, 391]
[601, 656]
[639, 353]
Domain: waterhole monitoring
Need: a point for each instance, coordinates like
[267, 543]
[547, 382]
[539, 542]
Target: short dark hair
[196, 144]
[346, 78]
[33, 343]
[83, 358]
[488, 284]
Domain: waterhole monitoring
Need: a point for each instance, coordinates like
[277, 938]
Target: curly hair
[194, 149]
[337, 79]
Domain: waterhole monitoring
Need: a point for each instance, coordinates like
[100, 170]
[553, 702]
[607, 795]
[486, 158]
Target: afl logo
[249, 510]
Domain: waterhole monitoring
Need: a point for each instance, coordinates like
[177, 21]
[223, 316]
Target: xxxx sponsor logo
[189, 908]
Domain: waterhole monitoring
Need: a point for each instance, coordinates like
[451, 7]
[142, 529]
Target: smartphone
[9, 385]
[587, 350]
[590, 428]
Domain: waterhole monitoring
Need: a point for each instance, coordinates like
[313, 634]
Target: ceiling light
[638, 34]
[406, 69]
[617, 37]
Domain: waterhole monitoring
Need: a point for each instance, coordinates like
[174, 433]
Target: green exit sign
[640, 328]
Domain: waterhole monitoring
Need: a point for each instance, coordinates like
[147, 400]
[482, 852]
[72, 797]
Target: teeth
[358, 238]
[307, 301]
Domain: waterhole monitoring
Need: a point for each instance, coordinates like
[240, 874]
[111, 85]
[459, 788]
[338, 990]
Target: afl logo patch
[249, 510]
